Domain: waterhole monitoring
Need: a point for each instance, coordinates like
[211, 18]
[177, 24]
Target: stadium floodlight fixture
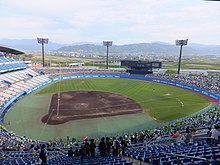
[42, 41]
[180, 43]
[107, 44]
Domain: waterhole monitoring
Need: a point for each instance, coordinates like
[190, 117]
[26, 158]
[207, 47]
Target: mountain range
[160, 48]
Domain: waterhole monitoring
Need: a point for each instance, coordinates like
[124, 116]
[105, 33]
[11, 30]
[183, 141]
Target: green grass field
[160, 102]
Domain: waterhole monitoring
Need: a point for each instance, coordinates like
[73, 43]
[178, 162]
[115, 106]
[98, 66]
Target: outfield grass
[160, 102]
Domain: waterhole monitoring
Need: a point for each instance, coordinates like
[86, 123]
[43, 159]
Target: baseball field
[99, 107]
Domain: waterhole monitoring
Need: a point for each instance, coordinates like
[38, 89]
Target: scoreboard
[141, 64]
[156, 64]
[140, 67]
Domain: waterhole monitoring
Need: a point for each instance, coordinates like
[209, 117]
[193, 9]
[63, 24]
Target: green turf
[160, 102]
[163, 102]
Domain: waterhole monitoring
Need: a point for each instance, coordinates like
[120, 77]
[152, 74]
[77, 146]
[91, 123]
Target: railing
[186, 156]
[132, 159]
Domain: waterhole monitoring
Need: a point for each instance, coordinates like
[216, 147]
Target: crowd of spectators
[180, 130]
[208, 82]
[105, 147]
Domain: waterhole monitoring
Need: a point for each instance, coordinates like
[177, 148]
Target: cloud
[124, 21]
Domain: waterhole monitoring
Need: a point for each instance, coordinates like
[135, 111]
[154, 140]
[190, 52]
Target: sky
[122, 21]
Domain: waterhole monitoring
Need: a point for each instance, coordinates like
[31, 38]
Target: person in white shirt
[215, 135]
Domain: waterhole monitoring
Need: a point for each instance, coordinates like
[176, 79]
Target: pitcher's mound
[72, 105]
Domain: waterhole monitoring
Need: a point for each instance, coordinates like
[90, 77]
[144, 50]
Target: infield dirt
[75, 105]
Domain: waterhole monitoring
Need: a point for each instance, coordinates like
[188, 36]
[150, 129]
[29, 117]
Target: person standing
[215, 135]
[92, 147]
[108, 146]
[70, 152]
[115, 147]
[87, 147]
[123, 145]
[43, 154]
[102, 147]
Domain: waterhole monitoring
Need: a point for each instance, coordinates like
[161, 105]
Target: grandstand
[16, 79]
[57, 71]
[168, 144]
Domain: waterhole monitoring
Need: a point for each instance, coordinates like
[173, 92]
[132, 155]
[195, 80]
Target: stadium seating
[16, 78]
[175, 153]
[56, 71]
[97, 160]
[149, 146]
[208, 82]
[4, 60]
[10, 64]
[19, 161]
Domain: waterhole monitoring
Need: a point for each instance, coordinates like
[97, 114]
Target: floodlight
[107, 44]
[180, 43]
[42, 41]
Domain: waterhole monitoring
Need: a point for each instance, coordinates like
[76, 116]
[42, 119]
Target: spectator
[43, 154]
[87, 147]
[76, 153]
[209, 135]
[70, 152]
[215, 135]
[188, 137]
[176, 135]
[102, 147]
[123, 145]
[92, 147]
[115, 147]
[4, 148]
[108, 146]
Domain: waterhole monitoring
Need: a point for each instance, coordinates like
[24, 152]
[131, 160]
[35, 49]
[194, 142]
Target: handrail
[12, 158]
[186, 156]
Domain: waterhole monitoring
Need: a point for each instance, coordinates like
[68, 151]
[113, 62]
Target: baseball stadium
[62, 109]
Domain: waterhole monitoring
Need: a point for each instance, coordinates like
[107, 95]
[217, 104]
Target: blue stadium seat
[165, 163]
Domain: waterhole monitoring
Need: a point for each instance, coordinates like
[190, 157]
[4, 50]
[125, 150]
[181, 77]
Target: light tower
[42, 41]
[107, 44]
[180, 43]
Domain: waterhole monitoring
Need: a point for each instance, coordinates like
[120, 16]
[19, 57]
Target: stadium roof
[6, 49]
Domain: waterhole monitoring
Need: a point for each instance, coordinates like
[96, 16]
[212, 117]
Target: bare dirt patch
[75, 105]
[167, 94]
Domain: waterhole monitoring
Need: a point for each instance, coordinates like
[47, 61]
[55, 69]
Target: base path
[75, 105]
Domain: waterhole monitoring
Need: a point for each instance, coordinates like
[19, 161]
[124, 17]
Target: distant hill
[32, 45]
[145, 48]
[157, 48]
[28, 44]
